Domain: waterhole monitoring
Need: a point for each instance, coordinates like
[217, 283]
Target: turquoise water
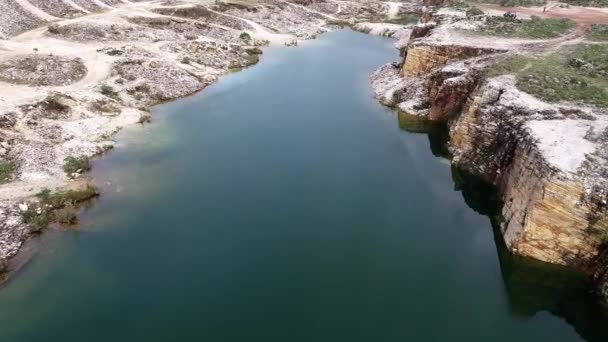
[284, 204]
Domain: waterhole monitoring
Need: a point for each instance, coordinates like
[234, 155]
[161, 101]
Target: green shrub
[114, 52]
[245, 36]
[56, 207]
[54, 29]
[474, 11]
[76, 164]
[185, 60]
[59, 199]
[6, 168]
[108, 91]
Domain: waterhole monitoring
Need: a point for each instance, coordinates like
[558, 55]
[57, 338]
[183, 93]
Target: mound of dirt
[57, 8]
[162, 80]
[15, 19]
[39, 70]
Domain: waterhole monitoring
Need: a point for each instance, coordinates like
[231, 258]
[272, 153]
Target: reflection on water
[532, 286]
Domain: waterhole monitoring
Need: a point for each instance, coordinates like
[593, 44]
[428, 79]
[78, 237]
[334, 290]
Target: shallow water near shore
[285, 204]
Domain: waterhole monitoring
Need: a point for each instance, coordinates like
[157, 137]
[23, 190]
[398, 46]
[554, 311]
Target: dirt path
[260, 31]
[582, 15]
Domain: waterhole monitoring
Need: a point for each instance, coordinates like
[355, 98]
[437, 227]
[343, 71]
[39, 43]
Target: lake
[283, 203]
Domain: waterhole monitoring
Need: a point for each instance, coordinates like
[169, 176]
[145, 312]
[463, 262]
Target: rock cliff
[547, 160]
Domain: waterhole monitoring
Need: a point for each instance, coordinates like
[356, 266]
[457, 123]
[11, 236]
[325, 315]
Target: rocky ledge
[547, 157]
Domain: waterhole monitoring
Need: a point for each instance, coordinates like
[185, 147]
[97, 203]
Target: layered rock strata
[547, 160]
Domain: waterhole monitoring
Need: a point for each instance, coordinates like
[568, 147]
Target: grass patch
[515, 3]
[535, 28]
[598, 33]
[6, 169]
[339, 23]
[56, 207]
[459, 4]
[76, 164]
[575, 74]
[588, 3]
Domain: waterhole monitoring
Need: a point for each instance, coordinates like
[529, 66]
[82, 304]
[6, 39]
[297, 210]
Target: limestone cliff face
[421, 58]
[546, 213]
[448, 91]
[549, 162]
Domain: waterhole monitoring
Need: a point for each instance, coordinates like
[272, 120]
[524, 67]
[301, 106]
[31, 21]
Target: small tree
[245, 36]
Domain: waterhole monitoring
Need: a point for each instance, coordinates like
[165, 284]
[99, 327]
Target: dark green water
[284, 204]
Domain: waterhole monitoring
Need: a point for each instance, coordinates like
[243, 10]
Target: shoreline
[14, 196]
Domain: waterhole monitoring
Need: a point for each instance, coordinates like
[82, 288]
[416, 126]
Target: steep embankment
[547, 159]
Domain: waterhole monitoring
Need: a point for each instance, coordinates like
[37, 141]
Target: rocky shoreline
[547, 159]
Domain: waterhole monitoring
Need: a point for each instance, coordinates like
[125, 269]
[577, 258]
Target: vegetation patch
[598, 32]
[56, 207]
[474, 11]
[6, 169]
[515, 3]
[588, 3]
[402, 19]
[405, 19]
[76, 164]
[253, 57]
[104, 106]
[200, 12]
[245, 36]
[535, 28]
[458, 4]
[576, 74]
[340, 23]
[108, 91]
